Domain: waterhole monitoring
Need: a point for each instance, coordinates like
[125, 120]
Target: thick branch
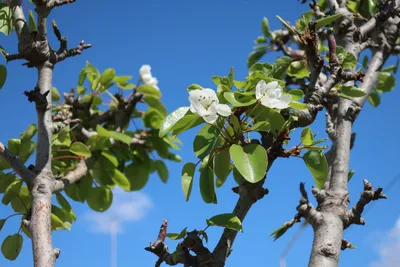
[72, 177]
[19, 21]
[16, 165]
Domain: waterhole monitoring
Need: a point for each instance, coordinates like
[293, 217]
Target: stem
[251, 111]
[12, 215]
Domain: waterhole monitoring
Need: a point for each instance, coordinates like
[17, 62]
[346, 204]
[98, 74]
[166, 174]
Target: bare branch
[72, 177]
[26, 174]
[367, 196]
[371, 75]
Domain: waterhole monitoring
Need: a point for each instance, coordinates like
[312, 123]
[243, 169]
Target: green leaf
[120, 179]
[251, 161]
[261, 126]
[296, 94]
[92, 72]
[187, 179]
[204, 141]
[156, 104]
[55, 95]
[122, 80]
[153, 118]
[2, 222]
[254, 57]
[162, 170]
[58, 224]
[239, 101]
[149, 90]
[32, 22]
[30, 132]
[82, 77]
[227, 220]
[318, 166]
[298, 69]
[171, 120]
[326, 21]
[386, 82]
[352, 91]
[368, 8]
[6, 180]
[138, 175]
[374, 99]
[222, 166]
[175, 236]
[280, 67]
[307, 138]
[107, 76]
[265, 27]
[11, 191]
[280, 231]
[112, 134]
[291, 30]
[80, 149]
[22, 200]
[298, 105]
[110, 157]
[12, 246]
[63, 202]
[194, 87]
[99, 198]
[350, 175]
[207, 188]
[260, 40]
[3, 74]
[6, 21]
[347, 59]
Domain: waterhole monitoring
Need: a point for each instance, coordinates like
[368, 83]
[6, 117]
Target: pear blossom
[206, 104]
[147, 77]
[271, 95]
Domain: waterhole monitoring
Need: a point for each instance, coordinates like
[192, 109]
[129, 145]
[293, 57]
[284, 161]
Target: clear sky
[185, 42]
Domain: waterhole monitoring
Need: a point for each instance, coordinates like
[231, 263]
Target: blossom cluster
[205, 103]
[147, 77]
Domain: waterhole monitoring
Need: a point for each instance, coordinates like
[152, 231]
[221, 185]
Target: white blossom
[147, 77]
[205, 103]
[271, 95]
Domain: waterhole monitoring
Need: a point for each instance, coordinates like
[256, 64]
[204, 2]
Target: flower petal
[192, 108]
[284, 101]
[224, 110]
[145, 69]
[271, 85]
[210, 118]
[200, 109]
[194, 96]
[269, 102]
[146, 77]
[260, 89]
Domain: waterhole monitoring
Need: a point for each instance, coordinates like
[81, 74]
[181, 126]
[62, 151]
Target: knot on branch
[306, 209]
[37, 97]
[253, 191]
[352, 111]
[367, 196]
[56, 252]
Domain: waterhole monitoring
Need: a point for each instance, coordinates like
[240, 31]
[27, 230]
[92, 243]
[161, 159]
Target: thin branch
[72, 177]
[16, 165]
[366, 197]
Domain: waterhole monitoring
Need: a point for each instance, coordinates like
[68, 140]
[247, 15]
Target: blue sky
[185, 42]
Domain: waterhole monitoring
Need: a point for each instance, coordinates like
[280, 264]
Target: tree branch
[26, 174]
[72, 177]
[367, 196]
